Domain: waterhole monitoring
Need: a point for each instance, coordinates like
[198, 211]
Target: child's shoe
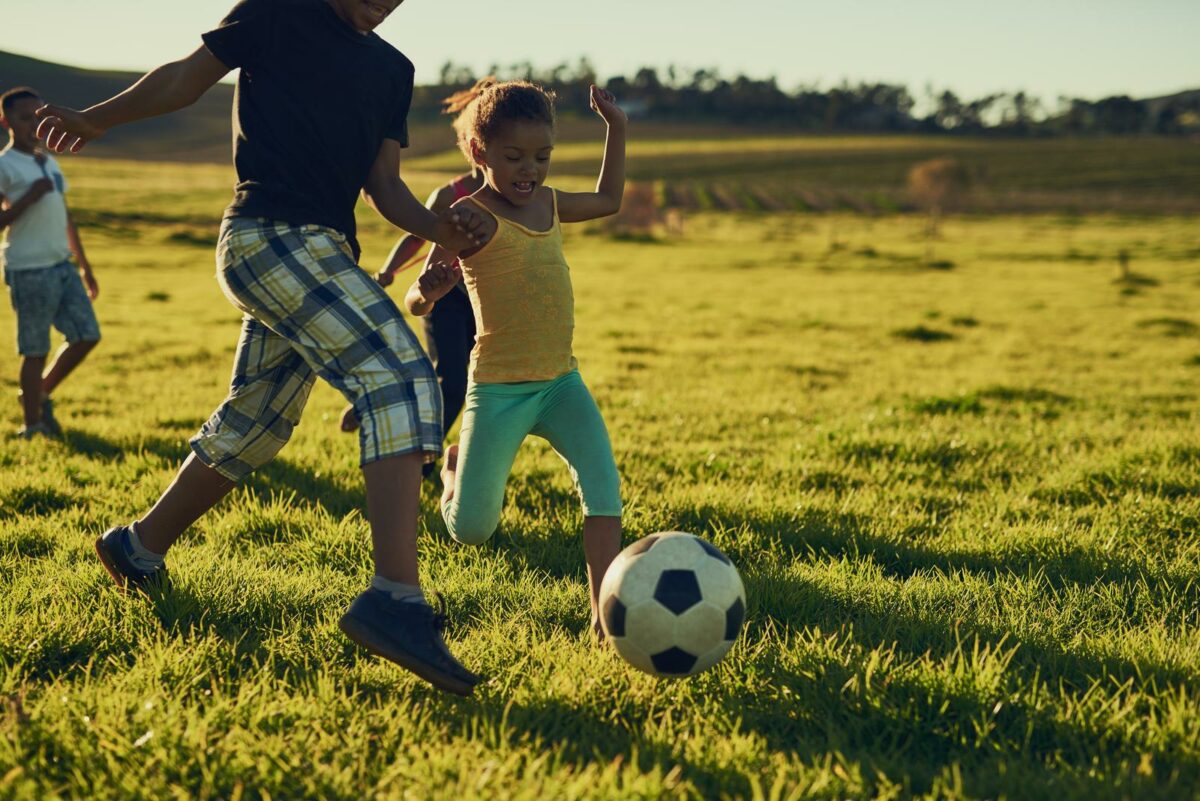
[116, 553]
[49, 421]
[48, 418]
[410, 634]
[38, 429]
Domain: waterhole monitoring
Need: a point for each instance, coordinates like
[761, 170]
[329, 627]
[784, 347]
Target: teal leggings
[496, 420]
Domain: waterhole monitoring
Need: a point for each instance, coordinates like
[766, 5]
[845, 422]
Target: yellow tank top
[520, 288]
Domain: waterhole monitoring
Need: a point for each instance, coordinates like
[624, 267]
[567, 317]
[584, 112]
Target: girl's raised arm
[610, 189]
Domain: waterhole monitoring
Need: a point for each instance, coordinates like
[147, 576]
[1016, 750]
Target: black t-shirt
[315, 100]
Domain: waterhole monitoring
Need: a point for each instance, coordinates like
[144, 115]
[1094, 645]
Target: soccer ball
[672, 604]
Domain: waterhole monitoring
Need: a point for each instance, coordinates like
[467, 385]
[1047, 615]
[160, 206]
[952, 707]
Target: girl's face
[516, 160]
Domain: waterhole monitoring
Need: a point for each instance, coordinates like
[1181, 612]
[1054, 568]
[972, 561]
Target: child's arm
[37, 190]
[385, 191]
[85, 268]
[610, 189]
[399, 258]
[168, 88]
[440, 275]
[411, 244]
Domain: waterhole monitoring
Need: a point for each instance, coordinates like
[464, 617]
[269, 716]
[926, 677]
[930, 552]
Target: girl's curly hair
[490, 104]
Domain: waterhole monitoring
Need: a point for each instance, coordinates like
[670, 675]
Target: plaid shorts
[50, 296]
[311, 311]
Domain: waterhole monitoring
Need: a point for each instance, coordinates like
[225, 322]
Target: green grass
[970, 557]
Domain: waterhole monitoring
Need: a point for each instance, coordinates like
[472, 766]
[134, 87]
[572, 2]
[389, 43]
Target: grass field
[964, 501]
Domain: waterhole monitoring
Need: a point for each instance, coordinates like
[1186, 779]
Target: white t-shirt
[38, 238]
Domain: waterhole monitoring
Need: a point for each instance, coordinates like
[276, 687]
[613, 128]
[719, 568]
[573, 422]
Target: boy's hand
[65, 128]
[460, 229]
[384, 278]
[39, 189]
[89, 281]
[437, 279]
[604, 104]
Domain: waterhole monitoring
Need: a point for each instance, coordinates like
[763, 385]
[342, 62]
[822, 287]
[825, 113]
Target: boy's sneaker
[48, 418]
[409, 634]
[38, 429]
[48, 425]
[114, 551]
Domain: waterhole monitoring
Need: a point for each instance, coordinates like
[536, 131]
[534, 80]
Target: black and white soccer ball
[672, 604]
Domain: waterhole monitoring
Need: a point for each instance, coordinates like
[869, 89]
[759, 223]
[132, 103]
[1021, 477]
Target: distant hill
[198, 133]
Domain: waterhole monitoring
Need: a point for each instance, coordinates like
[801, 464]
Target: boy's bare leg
[31, 388]
[393, 500]
[393, 504]
[601, 544]
[196, 489]
[69, 356]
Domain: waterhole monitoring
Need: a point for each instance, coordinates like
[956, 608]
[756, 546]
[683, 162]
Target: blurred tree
[705, 95]
[1120, 115]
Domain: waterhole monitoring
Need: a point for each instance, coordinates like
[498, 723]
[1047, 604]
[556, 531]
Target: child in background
[450, 327]
[45, 287]
[523, 376]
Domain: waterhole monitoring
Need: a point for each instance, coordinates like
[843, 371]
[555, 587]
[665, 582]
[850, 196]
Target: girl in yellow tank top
[523, 376]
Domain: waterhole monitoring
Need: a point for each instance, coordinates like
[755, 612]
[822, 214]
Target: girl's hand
[604, 104]
[384, 278]
[437, 279]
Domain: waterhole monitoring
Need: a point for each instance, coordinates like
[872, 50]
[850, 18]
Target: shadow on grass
[819, 534]
[907, 726]
[882, 730]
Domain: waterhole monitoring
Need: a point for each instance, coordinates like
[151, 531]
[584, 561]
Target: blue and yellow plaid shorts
[311, 311]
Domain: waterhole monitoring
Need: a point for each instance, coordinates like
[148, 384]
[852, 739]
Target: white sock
[140, 555]
[409, 593]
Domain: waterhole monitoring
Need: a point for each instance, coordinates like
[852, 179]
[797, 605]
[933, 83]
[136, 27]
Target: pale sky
[1049, 48]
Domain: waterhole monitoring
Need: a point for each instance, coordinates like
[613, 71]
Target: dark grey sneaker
[114, 551]
[48, 426]
[409, 634]
[38, 429]
[48, 418]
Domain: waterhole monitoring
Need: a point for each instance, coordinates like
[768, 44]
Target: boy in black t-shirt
[320, 115]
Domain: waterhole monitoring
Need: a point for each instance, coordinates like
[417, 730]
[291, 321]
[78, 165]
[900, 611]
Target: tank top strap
[474, 202]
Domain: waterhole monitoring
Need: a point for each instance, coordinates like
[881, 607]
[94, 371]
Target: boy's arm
[411, 244]
[455, 228]
[10, 214]
[168, 88]
[610, 189]
[440, 275]
[85, 267]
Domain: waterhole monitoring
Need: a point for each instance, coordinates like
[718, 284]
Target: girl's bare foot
[449, 466]
[349, 420]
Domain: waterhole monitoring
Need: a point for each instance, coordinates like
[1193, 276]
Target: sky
[1048, 48]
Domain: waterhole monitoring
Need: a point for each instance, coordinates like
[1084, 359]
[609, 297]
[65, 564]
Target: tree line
[705, 95]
